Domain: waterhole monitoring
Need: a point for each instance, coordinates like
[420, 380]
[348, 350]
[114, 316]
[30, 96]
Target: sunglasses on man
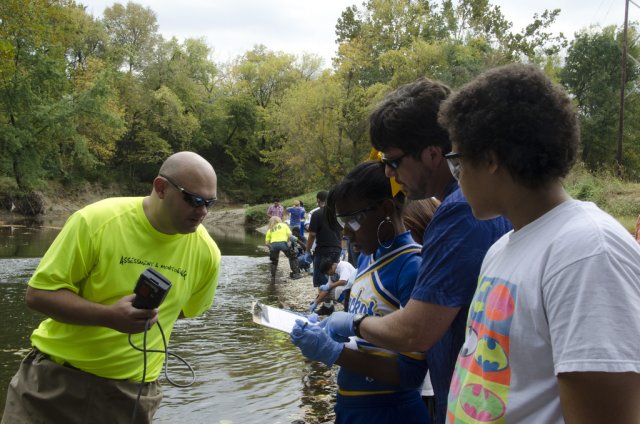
[192, 199]
[393, 163]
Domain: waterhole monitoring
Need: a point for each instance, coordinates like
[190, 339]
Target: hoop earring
[385, 221]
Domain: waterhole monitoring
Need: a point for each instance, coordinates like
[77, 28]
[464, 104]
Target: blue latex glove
[312, 317]
[315, 343]
[325, 287]
[339, 326]
[313, 307]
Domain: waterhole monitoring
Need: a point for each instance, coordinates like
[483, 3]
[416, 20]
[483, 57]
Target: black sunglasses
[395, 162]
[193, 200]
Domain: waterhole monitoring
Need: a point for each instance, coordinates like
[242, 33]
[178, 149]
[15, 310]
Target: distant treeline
[103, 100]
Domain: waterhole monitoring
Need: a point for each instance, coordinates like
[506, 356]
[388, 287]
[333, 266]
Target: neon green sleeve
[69, 259]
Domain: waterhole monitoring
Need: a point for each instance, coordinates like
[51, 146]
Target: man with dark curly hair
[552, 335]
[404, 127]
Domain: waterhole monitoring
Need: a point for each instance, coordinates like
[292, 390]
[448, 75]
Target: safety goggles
[353, 220]
[453, 160]
[192, 199]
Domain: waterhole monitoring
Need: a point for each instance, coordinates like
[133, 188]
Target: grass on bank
[617, 197]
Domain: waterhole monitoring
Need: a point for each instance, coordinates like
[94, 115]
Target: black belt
[48, 357]
[36, 351]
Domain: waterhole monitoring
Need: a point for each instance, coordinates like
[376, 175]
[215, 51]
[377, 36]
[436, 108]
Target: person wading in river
[278, 239]
[82, 364]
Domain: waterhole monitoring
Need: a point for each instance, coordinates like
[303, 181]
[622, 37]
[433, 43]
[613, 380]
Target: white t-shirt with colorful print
[560, 295]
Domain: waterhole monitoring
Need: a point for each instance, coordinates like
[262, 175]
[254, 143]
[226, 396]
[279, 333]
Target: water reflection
[245, 373]
[19, 241]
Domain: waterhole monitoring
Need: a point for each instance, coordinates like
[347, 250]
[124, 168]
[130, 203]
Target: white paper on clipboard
[271, 317]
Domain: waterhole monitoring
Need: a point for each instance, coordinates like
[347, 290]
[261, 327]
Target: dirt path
[225, 217]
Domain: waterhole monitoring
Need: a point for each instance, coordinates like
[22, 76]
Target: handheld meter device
[151, 289]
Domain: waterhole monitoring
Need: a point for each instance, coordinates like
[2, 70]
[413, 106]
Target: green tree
[265, 74]
[141, 147]
[369, 37]
[592, 74]
[321, 133]
[133, 34]
[98, 121]
[171, 121]
[306, 150]
[30, 70]
[50, 96]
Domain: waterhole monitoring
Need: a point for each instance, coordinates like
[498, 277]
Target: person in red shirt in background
[275, 210]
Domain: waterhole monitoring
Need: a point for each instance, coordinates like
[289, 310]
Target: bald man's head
[190, 169]
[185, 188]
[183, 161]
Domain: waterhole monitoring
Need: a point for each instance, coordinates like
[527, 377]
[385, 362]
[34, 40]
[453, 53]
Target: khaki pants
[44, 392]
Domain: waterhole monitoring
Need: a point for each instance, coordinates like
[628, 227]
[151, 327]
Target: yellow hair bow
[395, 187]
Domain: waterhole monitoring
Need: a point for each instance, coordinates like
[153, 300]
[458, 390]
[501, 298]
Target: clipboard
[275, 318]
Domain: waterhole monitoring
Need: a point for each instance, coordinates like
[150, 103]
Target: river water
[244, 373]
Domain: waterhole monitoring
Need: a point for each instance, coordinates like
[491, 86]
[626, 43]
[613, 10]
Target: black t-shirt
[327, 239]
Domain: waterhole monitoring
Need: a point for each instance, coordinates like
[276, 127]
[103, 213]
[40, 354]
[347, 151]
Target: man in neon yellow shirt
[82, 363]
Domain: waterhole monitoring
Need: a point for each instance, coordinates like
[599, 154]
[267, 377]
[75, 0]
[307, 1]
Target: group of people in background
[296, 213]
[287, 238]
[324, 247]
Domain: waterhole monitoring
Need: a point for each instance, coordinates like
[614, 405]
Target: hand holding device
[151, 289]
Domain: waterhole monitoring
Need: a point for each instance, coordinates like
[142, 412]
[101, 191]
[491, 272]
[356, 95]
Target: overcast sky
[232, 27]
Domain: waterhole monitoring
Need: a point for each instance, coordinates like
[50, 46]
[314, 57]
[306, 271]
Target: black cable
[144, 369]
[167, 353]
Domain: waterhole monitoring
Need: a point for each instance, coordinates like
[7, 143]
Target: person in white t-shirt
[553, 331]
[341, 275]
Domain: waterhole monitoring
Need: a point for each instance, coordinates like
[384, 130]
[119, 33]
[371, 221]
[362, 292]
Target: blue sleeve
[454, 246]
[407, 278]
